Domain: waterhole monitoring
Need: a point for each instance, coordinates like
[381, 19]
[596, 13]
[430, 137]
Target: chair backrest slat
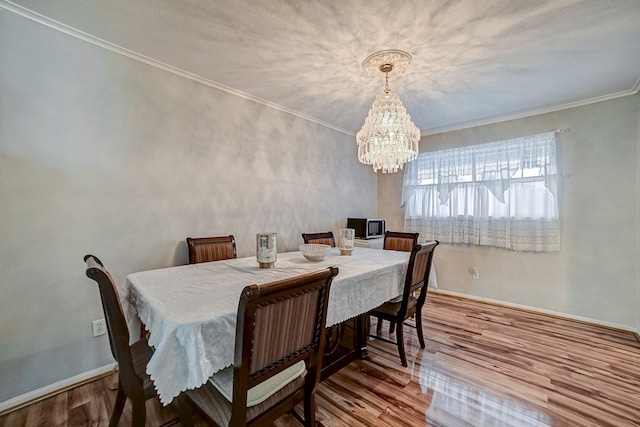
[324, 238]
[399, 241]
[418, 271]
[293, 319]
[206, 249]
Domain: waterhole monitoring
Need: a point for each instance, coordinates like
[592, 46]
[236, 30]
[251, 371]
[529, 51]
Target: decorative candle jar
[266, 249]
[346, 237]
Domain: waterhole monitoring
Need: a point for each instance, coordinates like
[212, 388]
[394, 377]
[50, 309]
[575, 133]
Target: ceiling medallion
[388, 138]
[399, 59]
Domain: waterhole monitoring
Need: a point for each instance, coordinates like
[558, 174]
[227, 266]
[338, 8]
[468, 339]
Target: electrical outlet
[99, 327]
[475, 273]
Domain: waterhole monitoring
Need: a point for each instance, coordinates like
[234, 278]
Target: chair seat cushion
[396, 299]
[223, 382]
[390, 309]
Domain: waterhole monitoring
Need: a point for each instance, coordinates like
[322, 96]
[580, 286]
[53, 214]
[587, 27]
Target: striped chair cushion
[223, 381]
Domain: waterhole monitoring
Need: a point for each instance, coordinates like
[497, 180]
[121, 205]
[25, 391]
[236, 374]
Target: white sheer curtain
[502, 194]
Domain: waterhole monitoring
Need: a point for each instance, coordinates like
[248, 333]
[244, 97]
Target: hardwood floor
[484, 365]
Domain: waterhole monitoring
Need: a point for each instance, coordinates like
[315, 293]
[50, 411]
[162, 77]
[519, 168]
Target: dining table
[190, 310]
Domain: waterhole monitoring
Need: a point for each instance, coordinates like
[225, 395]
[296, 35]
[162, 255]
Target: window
[501, 194]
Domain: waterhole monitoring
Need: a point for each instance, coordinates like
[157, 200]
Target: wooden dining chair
[325, 238]
[206, 249]
[278, 355]
[399, 241]
[133, 383]
[416, 282]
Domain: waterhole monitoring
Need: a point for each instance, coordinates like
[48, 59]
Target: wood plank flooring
[484, 365]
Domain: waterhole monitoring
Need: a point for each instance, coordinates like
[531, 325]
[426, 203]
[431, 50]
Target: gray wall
[102, 154]
[638, 216]
[594, 276]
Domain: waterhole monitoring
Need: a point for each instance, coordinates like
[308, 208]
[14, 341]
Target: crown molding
[529, 113]
[59, 26]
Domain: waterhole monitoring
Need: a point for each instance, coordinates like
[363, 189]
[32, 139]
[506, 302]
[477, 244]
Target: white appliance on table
[370, 243]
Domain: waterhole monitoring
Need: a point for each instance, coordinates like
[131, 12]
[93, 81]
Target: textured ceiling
[474, 61]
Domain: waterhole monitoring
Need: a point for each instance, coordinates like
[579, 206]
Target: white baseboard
[35, 395]
[538, 310]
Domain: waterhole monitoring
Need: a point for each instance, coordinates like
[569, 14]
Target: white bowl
[313, 251]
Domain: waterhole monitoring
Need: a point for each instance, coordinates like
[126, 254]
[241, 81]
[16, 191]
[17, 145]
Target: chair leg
[121, 399]
[418, 317]
[310, 409]
[139, 411]
[379, 325]
[392, 326]
[185, 411]
[400, 335]
[309, 400]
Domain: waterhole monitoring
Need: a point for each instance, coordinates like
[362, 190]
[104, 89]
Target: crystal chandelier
[388, 139]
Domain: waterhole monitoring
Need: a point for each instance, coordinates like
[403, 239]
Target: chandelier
[388, 138]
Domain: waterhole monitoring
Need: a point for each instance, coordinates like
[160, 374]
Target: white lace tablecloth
[190, 310]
